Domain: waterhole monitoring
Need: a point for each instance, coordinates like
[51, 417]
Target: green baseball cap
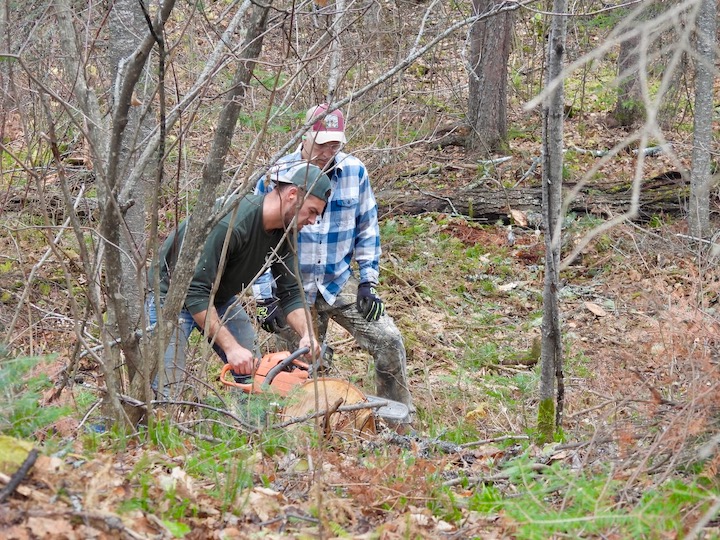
[310, 178]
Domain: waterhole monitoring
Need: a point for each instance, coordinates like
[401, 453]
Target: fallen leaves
[595, 309]
[263, 502]
[478, 413]
[42, 527]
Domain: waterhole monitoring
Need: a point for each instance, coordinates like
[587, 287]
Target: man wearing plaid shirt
[348, 229]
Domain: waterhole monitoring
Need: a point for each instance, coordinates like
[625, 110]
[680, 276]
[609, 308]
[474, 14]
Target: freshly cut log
[331, 394]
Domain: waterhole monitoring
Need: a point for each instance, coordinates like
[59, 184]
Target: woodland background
[112, 133]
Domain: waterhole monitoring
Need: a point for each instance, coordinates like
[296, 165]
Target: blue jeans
[173, 373]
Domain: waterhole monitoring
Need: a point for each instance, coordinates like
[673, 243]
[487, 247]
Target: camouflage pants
[381, 339]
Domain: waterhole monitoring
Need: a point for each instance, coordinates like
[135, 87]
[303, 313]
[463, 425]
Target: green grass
[582, 505]
[226, 465]
[282, 122]
[560, 502]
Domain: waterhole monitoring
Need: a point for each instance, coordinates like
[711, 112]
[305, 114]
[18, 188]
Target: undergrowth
[470, 309]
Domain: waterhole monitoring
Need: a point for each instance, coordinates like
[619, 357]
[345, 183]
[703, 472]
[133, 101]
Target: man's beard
[289, 216]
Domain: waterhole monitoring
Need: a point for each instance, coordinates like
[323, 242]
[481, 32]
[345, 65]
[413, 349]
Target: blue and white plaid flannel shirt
[347, 228]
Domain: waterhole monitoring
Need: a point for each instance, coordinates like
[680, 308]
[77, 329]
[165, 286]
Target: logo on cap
[331, 122]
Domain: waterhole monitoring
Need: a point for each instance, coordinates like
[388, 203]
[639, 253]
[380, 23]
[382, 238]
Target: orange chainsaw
[283, 373]
[280, 371]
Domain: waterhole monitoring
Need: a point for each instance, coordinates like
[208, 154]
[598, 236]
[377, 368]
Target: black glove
[270, 315]
[369, 303]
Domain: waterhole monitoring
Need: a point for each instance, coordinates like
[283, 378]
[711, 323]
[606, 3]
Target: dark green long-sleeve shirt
[248, 248]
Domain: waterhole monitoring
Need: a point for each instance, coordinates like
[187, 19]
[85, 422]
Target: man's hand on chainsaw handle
[369, 303]
[298, 321]
[241, 360]
[310, 343]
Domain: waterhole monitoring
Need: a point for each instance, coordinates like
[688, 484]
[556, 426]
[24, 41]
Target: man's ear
[294, 194]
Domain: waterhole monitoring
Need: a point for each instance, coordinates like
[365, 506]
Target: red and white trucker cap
[331, 128]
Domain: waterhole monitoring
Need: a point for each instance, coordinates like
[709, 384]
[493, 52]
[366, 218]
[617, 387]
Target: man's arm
[240, 359]
[367, 237]
[263, 287]
[298, 321]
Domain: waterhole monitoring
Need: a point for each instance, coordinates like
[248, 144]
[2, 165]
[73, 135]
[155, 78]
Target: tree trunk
[336, 55]
[699, 215]
[114, 207]
[629, 107]
[127, 22]
[487, 103]
[97, 138]
[666, 194]
[550, 416]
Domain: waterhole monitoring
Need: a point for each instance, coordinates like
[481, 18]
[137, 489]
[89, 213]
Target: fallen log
[664, 194]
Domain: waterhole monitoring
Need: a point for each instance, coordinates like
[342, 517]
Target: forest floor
[641, 384]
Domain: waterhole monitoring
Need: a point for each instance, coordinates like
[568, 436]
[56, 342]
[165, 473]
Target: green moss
[546, 421]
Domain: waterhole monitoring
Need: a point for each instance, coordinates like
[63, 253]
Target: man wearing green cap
[256, 231]
[339, 255]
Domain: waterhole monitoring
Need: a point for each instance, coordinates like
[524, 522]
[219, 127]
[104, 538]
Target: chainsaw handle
[282, 365]
[245, 387]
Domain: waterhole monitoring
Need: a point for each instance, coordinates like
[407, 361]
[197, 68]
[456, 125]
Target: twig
[535, 162]
[595, 153]
[645, 231]
[704, 520]
[653, 151]
[657, 396]
[400, 278]
[637, 249]
[137, 403]
[285, 517]
[446, 199]
[448, 447]
[112, 343]
[495, 439]
[423, 443]
[589, 409]
[694, 238]
[112, 522]
[19, 475]
[344, 408]
[27, 491]
[327, 428]
[87, 415]
[206, 438]
[253, 429]
[706, 450]
[433, 169]
[496, 161]
[199, 405]
[490, 479]
[501, 367]
[38, 265]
